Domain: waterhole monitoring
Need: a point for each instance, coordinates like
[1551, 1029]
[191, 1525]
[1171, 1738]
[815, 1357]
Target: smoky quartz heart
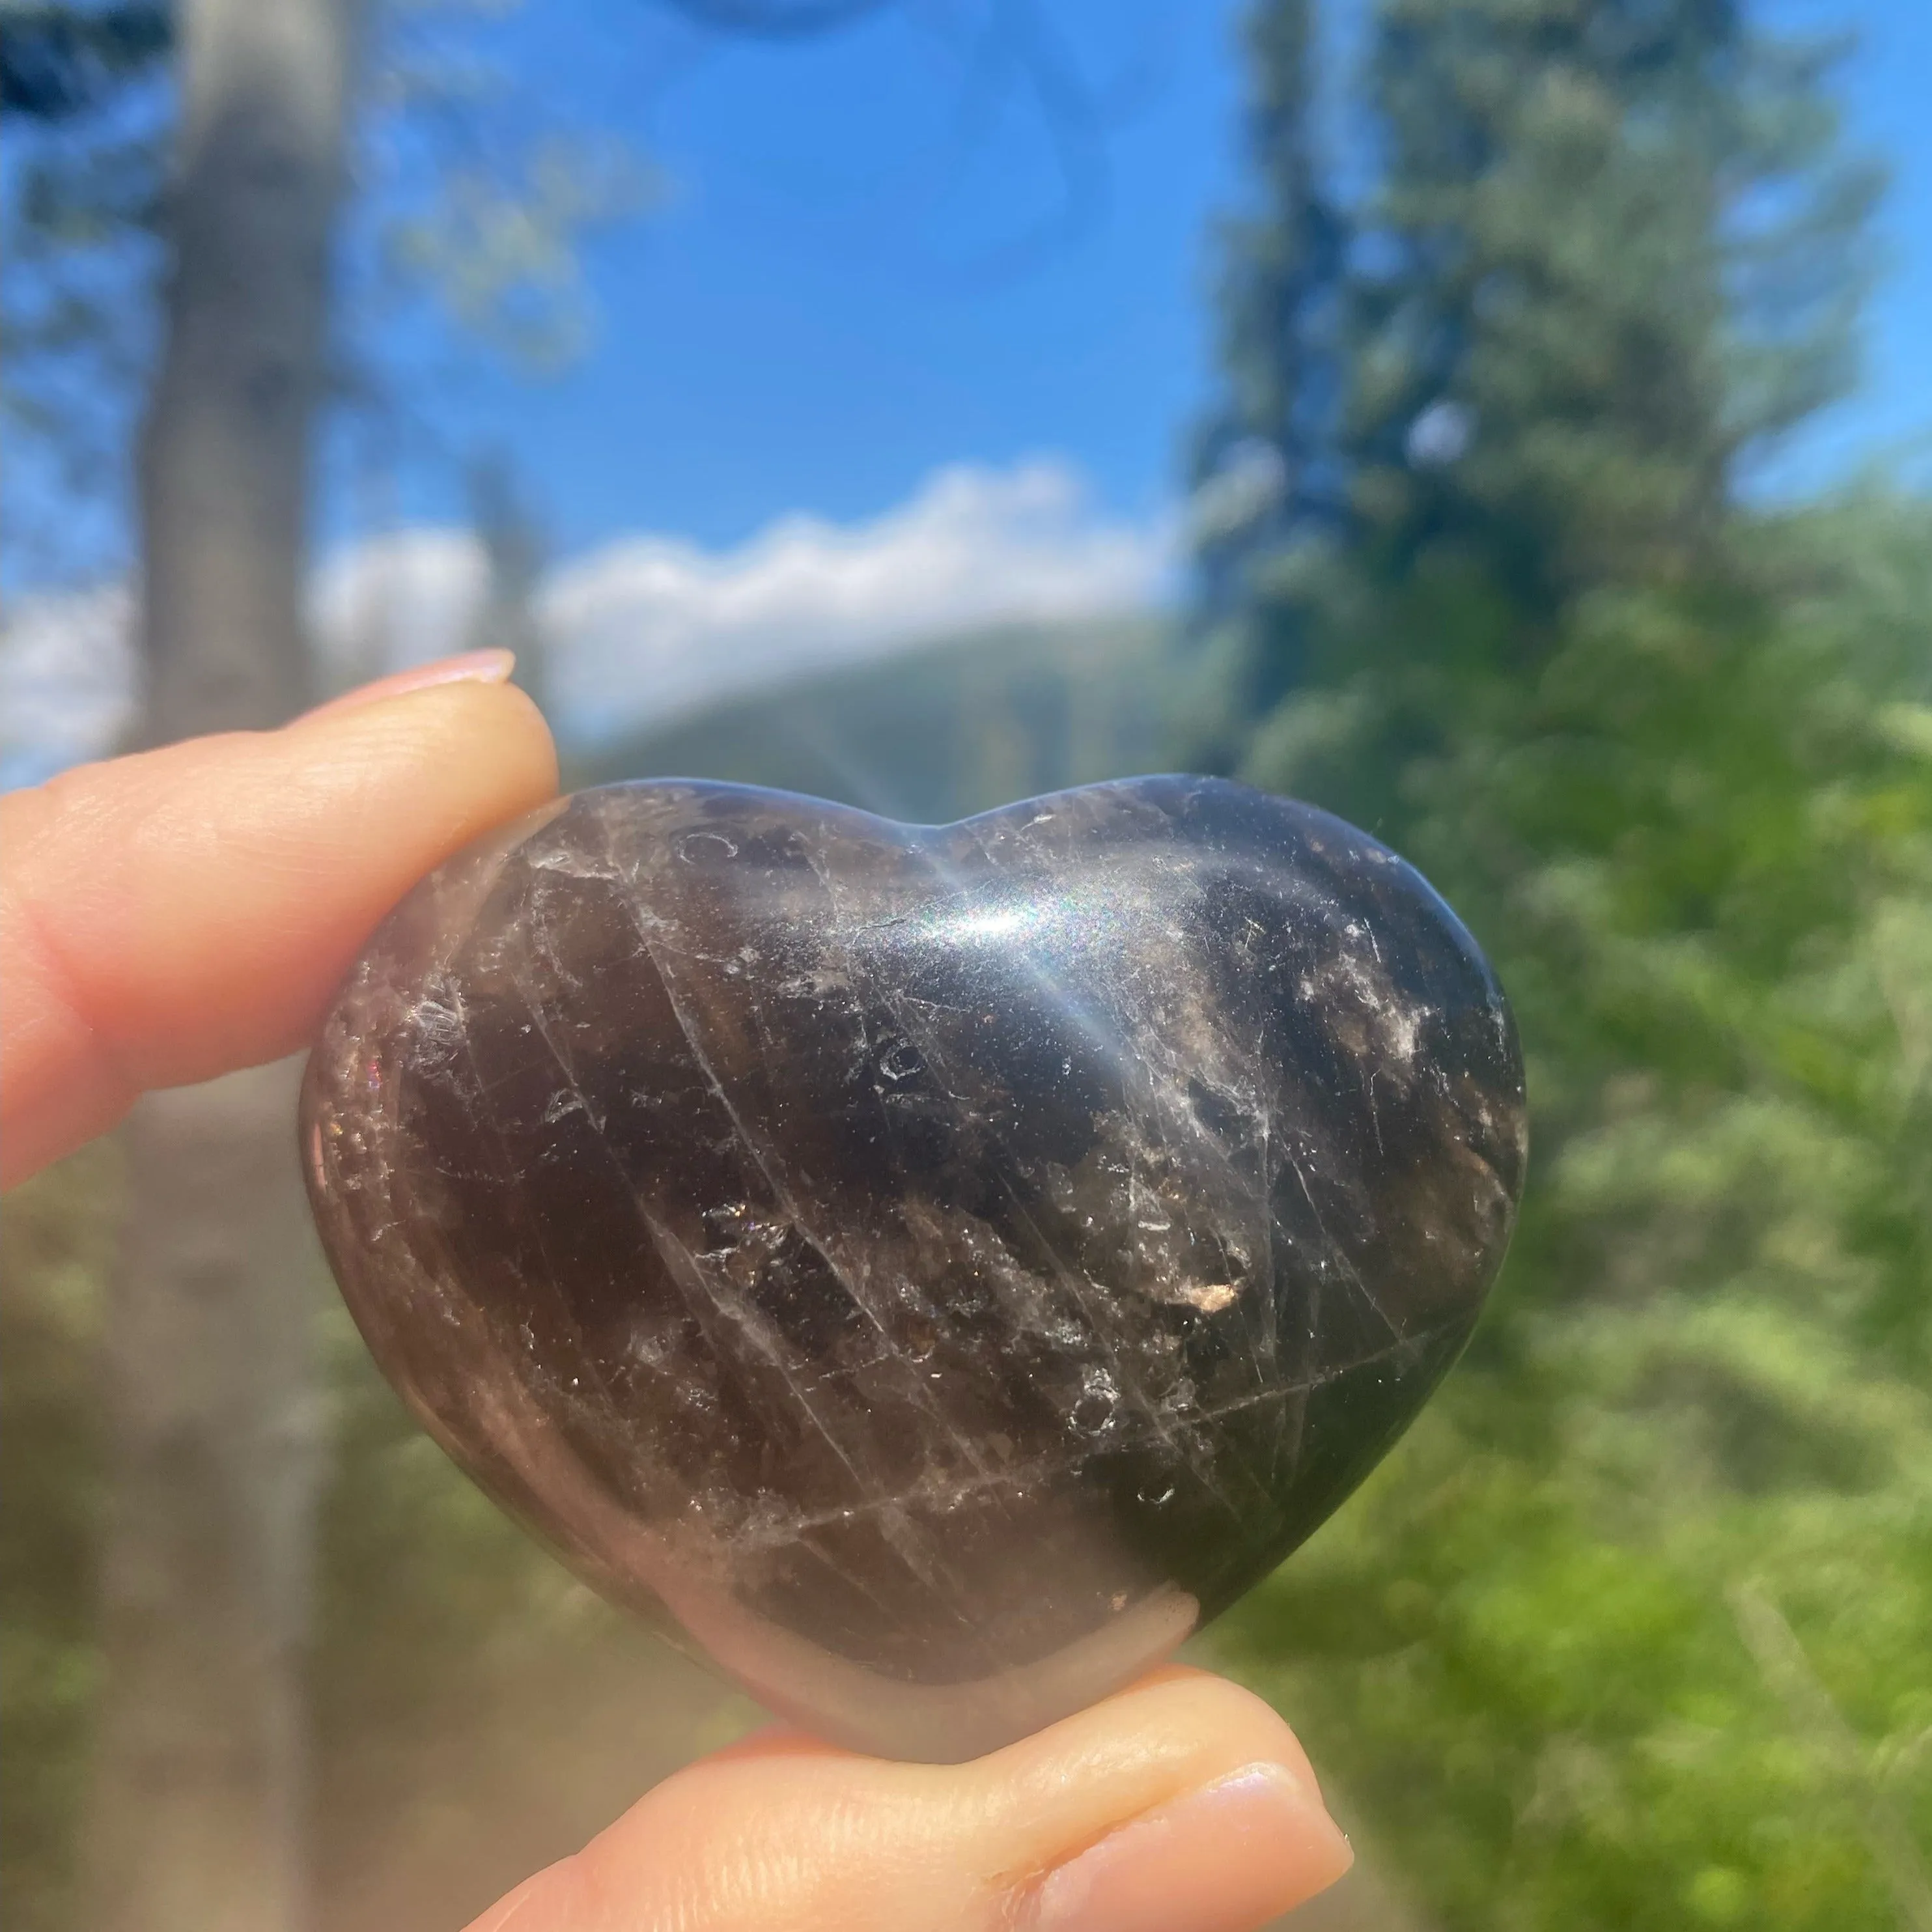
[929, 1271]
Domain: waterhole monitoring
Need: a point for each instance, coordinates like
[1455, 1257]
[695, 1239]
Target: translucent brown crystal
[929, 1271]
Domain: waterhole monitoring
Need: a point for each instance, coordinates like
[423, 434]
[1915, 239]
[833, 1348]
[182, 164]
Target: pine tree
[1611, 251]
[1267, 479]
[1606, 264]
[1283, 267]
[1630, 1633]
[82, 90]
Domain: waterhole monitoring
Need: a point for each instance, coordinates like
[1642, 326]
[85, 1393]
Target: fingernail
[471, 668]
[1225, 1858]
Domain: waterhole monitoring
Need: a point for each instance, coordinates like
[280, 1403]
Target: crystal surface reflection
[927, 1271]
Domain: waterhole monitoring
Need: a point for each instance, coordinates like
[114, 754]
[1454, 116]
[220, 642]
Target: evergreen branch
[1780, 1656]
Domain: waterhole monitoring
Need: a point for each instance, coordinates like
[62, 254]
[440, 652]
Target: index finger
[169, 916]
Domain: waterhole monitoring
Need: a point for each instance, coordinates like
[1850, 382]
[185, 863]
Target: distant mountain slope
[940, 733]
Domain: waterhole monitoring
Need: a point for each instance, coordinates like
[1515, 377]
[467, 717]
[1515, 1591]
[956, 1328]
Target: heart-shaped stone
[929, 1271]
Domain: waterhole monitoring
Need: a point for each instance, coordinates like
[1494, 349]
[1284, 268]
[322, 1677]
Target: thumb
[1184, 1804]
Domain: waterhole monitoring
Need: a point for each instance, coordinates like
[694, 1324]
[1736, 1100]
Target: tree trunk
[514, 546]
[200, 1782]
[225, 452]
[196, 1824]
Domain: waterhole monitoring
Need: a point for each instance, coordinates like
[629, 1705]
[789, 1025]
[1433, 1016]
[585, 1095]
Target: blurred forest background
[1634, 1631]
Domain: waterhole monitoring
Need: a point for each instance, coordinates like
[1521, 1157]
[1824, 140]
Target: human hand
[167, 917]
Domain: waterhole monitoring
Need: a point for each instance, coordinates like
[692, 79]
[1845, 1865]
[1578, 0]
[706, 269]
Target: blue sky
[863, 269]
[882, 364]
[870, 262]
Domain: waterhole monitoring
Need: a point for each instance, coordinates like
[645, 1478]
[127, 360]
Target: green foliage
[56, 1239]
[1266, 460]
[1697, 840]
[499, 245]
[84, 97]
[1611, 247]
[58, 60]
[1631, 1633]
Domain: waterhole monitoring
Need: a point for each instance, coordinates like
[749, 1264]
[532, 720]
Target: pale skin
[167, 917]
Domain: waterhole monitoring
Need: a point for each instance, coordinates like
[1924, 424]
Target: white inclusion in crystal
[1210, 1297]
[1097, 1403]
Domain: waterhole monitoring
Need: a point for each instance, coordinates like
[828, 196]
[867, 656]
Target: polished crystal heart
[929, 1271]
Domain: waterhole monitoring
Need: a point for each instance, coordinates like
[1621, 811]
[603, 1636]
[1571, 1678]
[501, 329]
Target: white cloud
[67, 680]
[652, 627]
[392, 600]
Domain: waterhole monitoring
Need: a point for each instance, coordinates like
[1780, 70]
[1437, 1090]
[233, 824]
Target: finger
[1184, 1804]
[166, 917]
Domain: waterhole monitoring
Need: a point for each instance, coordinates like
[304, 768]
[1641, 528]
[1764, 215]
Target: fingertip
[1177, 1727]
[505, 741]
[550, 1900]
[1184, 1799]
[190, 910]
[1225, 1857]
[483, 667]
